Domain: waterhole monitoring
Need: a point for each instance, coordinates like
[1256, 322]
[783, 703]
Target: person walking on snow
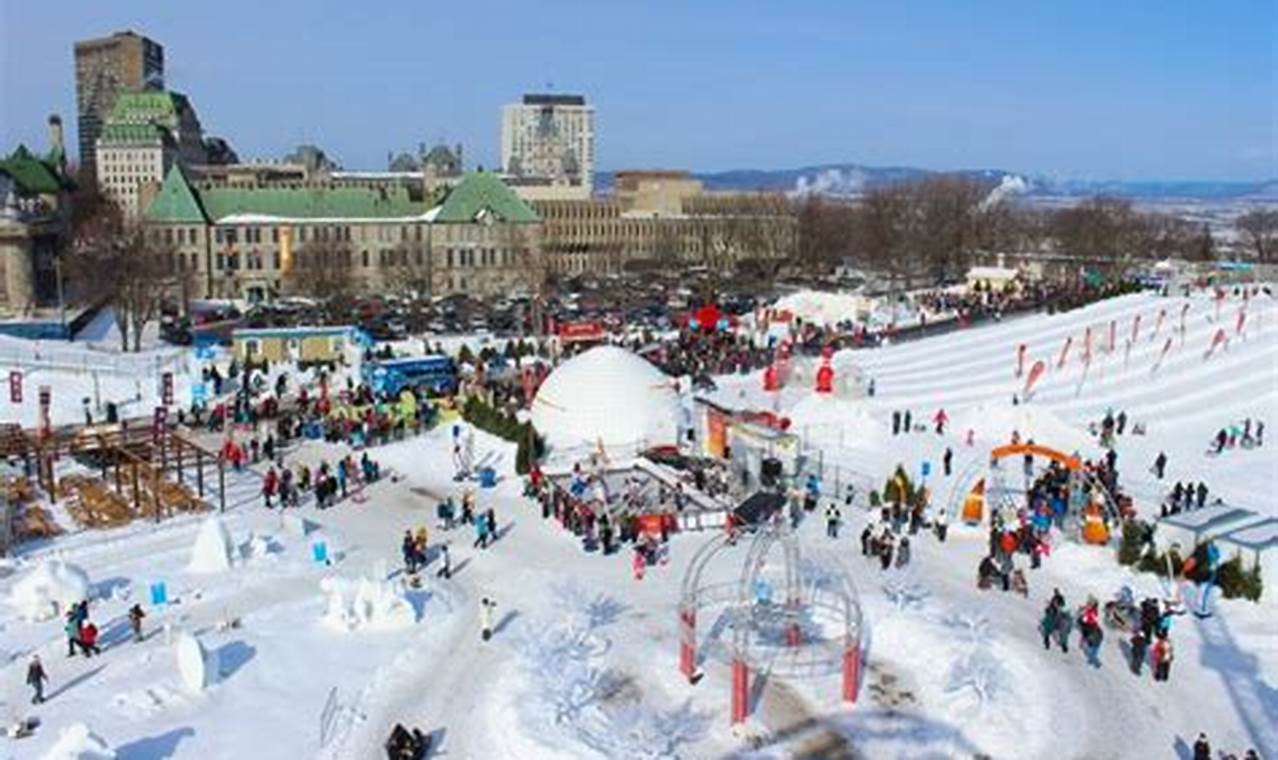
[947, 461]
[941, 524]
[135, 622]
[1140, 645]
[1160, 465]
[270, 483]
[1162, 658]
[905, 421]
[409, 550]
[903, 552]
[940, 419]
[446, 570]
[486, 607]
[638, 564]
[1047, 625]
[72, 630]
[1090, 633]
[1202, 749]
[36, 678]
[832, 516]
[896, 423]
[89, 639]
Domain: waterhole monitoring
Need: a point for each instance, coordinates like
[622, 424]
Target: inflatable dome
[607, 394]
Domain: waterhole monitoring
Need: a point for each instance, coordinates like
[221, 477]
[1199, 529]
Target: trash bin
[487, 477]
[112, 414]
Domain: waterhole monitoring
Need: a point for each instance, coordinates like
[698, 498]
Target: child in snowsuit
[1162, 658]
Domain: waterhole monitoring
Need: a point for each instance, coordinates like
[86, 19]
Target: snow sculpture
[50, 590]
[214, 550]
[78, 742]
[197, 667]
[366, 604]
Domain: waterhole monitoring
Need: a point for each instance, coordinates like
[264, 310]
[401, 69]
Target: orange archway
[1013, 449]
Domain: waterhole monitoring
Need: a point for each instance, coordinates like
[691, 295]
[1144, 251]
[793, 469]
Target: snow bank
[214, 551]
[995, 423]
[821, 412]
[49, 590]
[78, 742]
[825, 308]
[366, 604]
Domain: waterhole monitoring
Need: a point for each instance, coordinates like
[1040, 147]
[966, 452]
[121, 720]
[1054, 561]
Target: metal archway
[804, 650]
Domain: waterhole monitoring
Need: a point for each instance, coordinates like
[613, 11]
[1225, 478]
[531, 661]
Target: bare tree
[322, 270]
[120, 263]
[1259, 229]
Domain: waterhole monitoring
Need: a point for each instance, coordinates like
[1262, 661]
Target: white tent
[608, 395]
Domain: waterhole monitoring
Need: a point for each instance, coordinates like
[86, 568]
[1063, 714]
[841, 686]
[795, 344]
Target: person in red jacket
[89, 639]
[1162, 658]
[940, 419]
[270, 484]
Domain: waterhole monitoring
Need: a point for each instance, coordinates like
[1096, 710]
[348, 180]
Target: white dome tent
[610, 396]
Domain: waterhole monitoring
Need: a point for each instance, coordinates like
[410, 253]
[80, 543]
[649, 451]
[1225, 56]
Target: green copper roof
[312, 203]
[31, 174]
[480, 191]
[147, 106]
[132, 133]
[176, 202]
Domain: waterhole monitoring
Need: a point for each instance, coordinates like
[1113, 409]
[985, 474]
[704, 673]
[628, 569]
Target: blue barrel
[487, 477]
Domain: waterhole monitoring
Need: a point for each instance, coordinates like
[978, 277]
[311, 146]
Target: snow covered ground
[583, 663]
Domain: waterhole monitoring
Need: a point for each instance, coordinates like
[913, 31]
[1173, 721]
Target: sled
[22, 728]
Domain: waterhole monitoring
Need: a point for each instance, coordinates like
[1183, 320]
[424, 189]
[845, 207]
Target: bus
[435, 372]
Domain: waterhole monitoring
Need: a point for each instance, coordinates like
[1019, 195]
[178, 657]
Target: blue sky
[1080, 88]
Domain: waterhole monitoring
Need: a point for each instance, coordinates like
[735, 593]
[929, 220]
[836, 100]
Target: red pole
[851, 673]
[740, 691]
[688, 642]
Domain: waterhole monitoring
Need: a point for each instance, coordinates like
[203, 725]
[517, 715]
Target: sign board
[159, 594]
[570, 332]
[15, 386]
[166, 388]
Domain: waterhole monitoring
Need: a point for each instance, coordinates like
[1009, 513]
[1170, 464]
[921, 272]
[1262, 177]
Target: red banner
[1113, 334]
[15, 386]
[1060, 363]
[166, 388]
[1135, 327]
[1158, 325]
[1035, 373]
[1087, 347]
[1020, 360]
[570, 332]
[1242, 317]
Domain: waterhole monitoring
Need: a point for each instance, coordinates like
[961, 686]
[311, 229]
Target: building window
[364, 255]
[221, 262]
[275, 260]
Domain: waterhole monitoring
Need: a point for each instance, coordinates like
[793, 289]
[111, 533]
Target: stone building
[327, 239]
[34, 226]
[144, 135]
[104, 67]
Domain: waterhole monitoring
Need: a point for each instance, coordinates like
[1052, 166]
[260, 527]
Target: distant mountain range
[852, 179]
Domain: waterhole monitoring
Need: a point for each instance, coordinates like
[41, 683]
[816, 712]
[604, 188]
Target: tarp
[758, 508]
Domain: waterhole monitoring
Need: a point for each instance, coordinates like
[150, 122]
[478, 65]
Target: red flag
[1035, 373]
[1242, 317]
[1020, 360]
[1087, 346]
[1220, 339]
[1135, 327]
[1113, 334]
[1158, 325]
[1060, 363]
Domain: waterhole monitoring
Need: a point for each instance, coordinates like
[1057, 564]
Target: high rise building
[142, 137]
[549, 138]
[105, 67]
